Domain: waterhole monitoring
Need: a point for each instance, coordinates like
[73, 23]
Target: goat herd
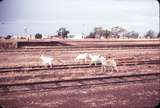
[106, 63]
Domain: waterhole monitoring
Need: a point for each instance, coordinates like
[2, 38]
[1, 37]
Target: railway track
[35, 49]
[72, 66]
[46, 85]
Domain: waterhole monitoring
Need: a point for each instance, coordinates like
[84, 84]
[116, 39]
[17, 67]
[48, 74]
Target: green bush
[38, 36]
[8, 37]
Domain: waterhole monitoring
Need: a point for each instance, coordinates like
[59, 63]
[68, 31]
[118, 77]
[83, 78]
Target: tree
[117, 31]
[132, 34]
[91, 35]
[99, 32]
[8, 37]
[38, 36]
[63, 32]
[107, 33]
[158, 35]
[149, 34]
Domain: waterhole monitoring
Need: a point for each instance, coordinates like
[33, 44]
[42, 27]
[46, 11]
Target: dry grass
[8, 44]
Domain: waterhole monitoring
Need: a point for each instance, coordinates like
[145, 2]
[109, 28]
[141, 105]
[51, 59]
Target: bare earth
[140, 94]
[121, 95]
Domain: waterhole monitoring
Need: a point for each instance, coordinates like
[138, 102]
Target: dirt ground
[136, 95]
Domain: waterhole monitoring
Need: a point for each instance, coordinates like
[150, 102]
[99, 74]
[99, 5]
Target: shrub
[8, 37]
[150, 34]
[38, 36]
[63, 32]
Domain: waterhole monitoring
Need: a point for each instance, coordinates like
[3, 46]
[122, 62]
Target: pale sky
[47, 16]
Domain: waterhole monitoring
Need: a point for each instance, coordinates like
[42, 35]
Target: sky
[19, 17]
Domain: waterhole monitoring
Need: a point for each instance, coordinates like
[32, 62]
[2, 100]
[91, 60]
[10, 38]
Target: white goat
[80, 57]
[95, 59]
[47, 60]
[108, 63]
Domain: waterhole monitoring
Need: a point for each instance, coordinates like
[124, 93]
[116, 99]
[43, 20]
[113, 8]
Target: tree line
[119, 32]
[100, 32]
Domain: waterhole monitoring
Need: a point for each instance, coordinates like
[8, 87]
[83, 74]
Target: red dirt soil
[136, 95]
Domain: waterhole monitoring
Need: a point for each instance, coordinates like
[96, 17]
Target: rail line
[45, 85]
[72, 66]
[31, 49]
